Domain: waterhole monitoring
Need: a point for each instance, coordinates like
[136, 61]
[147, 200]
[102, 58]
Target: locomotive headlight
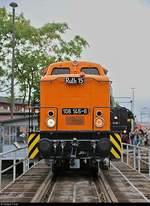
[99, 122]
[51, 122]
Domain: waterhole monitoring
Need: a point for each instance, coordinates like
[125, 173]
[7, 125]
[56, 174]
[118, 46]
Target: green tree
[35, 48]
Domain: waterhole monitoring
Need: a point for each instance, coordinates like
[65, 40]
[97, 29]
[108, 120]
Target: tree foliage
[35, 48]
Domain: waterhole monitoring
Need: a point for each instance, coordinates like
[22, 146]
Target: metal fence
[16, 130]
[137, 157]
[16, 161]
[10, 134]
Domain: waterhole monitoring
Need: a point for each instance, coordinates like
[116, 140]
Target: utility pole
[132, 107]
[13, 5]
[133, 99]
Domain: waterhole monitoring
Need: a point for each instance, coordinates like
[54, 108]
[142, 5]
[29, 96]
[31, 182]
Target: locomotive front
[75, 115]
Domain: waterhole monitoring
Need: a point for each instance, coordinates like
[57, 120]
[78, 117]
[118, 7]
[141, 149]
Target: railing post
[149, 161]
[134, 157]
[0, 172]
[27, 164]
[139, 159]
[14, 167]
[127, 154]
[9, 134]
[122, 152]
[24, 166]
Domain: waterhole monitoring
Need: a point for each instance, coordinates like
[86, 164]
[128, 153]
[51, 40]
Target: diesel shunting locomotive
[75, 117]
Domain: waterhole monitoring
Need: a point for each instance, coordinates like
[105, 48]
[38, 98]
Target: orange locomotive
[74, 116]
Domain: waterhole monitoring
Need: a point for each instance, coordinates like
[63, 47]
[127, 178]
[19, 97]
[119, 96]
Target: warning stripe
[118, 152]
[115, 154]
[33, 155]
[30, 137]
[36, 140]
[116, 139]
[33, 140]
[32, 150]
[115, 143]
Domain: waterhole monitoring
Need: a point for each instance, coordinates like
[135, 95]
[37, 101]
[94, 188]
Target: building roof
[7, 100]
[22, 116]
[4, 118]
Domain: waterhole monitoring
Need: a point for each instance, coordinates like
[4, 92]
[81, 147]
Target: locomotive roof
[75, 63]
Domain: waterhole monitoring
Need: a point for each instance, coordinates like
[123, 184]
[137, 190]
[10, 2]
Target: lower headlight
[51, 122]
[99, 122]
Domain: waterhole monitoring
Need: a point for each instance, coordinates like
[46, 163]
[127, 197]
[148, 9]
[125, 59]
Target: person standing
[145, 138]
[131, 135]
[134, 137]
[140, 137]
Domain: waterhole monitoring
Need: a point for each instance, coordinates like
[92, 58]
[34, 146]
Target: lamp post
[13, 5]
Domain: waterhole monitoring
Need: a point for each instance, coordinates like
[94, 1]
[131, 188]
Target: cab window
[57, 71]
[90, 70]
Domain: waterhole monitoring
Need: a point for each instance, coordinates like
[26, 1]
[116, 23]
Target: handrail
[11, 151]
[131, 145]
[136, 156]
[25, 162]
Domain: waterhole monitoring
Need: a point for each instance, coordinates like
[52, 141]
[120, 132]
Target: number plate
[72, 111]
[74, 80]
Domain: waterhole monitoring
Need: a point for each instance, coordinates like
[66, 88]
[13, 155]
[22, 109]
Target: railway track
[77, 187]
[119, 184]
[114, 185]
[69, 187]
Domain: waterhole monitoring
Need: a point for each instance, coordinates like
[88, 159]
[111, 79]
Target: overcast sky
[118, 32]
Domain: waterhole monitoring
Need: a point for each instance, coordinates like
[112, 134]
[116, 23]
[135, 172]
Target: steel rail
[54, 190]
[99, 195]
[51, 193]
[105, 187]
[102, 189]
[42, 191]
